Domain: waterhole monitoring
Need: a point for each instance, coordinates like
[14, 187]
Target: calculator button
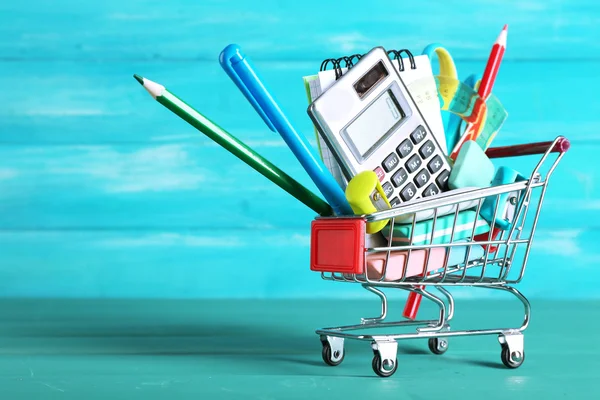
[431, 190]
[390, 162]
[395, 201]
[380, 173]
[418, 134]
[435, 164]
[427, 149]
[408, 192]
[405, 148]
[399, 177]
[413, 163]
[422, 178]
[442, 179]
[388, 189]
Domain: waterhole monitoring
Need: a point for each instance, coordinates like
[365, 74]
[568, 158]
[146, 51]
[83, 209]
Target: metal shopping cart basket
[488, 248]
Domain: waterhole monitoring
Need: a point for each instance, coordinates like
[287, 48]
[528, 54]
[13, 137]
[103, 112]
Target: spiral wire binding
[349, 61]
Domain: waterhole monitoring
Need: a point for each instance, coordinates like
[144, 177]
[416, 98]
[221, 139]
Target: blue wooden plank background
[104, 193]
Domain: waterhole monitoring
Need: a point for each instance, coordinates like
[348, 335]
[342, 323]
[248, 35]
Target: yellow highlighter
[365, 195]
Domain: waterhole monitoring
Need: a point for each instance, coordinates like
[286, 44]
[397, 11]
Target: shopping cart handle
[561, 145]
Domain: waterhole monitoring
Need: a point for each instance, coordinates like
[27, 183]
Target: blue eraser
[472, 168]
[507, 202]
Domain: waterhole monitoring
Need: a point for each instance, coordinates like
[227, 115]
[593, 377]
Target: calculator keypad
[388, 189]
[431, 190]
[435, 164]
[426, 150]
[413, 163]
[442, 179]
[408, 192]
[422, 178]
[399, 177]
[380, 173]
[416, 169]
[390, 162]
[405, 148]
[418, 135]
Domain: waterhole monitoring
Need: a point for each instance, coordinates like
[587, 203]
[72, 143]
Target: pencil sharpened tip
[139, 79]
[505, 27]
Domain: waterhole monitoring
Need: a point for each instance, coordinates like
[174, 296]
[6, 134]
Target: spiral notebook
[411, 69]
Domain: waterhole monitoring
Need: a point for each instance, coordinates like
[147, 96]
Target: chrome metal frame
[494, 270]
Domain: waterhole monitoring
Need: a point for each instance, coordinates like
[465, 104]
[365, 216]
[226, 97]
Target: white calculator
[370, 122]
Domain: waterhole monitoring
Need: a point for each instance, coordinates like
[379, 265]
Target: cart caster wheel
[516, 360]
[437, 345]
[332, 357]
[385, 368]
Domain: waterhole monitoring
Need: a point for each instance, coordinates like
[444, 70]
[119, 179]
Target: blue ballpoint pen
[239, 68]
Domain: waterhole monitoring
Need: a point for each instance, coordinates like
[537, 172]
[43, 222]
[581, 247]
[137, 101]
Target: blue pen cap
[231, 55]
[239, 68]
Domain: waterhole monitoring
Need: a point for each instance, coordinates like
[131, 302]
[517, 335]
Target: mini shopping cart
[496, 259]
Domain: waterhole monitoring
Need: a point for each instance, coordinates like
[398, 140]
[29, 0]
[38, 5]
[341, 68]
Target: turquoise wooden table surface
[156, 349]
[103, 193]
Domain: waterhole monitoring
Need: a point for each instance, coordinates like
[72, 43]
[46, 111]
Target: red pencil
[493, 65]
[485, 89]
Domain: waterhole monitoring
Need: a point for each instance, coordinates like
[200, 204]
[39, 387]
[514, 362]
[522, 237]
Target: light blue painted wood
[196, 186]
[237, 263]
[310, 29]
[83, 102]
[104, 193]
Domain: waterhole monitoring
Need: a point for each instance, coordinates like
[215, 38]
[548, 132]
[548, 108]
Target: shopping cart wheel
[384, 368]
[438, 345]
[385, 361]
[513, 349]
[333, 350]
[512, 362]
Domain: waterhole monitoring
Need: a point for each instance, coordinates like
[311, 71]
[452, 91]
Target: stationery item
[465, 220]
[409, 67]
[493, 64]
[484, 90]
[472, 168]
[494, 234]
[458, 98]
[446, 63]
[446, 68]
[439, 211]
[456, 125]
[239, 68]
[561, 146]
[234, 146]
[370, 122]
[506, 203]
[395, 268]
[366, 195]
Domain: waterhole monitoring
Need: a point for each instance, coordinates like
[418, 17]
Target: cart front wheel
[512, 362]
[330, 357]
[438, 345]
[384, 368]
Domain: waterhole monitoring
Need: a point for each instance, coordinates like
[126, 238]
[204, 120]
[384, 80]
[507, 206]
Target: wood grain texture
[104, 193]
[239, 263]
[276, 30]
[81, 102]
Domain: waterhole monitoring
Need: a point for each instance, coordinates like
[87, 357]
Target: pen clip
[233, 52]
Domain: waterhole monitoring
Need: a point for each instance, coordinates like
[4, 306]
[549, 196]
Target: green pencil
[235, 146]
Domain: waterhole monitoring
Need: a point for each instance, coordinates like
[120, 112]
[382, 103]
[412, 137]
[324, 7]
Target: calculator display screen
[374, 122]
